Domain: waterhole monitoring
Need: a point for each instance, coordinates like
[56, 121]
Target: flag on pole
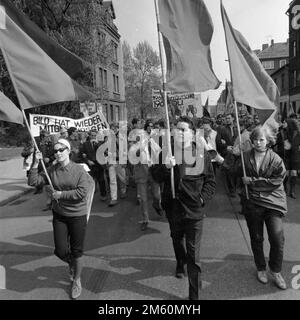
[251, 83]
[9, 111]
[205, 109]
[187, 31]
[229, 98]
[40, 69]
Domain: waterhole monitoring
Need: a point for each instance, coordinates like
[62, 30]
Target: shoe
[158, 208]
[38, 191]
[144, 226]
[138, 201]
[293, 195]
[123, 196]
[179, 271]
[278, 279]
[112, 203]
[262, 276]
[76, 289]
[103, 198]
[48, 207]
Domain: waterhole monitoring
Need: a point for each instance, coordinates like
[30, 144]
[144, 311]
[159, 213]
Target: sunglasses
[60, 150]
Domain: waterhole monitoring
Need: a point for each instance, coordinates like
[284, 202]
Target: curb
[14, 197]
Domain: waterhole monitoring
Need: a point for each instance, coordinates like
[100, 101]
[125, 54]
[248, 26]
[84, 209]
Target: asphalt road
[124, 263]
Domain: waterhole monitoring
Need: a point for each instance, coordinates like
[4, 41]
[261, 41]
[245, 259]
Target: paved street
[124, 263]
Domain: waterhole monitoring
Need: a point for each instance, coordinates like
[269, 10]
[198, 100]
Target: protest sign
[53, 123]
[180, 104]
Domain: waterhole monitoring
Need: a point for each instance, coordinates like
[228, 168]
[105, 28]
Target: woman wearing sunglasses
[70, 205]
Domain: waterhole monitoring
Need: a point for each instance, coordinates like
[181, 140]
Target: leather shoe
[112, 203]
[262, 276]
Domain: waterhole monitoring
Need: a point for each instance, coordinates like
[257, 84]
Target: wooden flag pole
[165, 96]
[240, 144]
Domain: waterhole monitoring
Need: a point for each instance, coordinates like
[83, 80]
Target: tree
[141, 75]
[74, 24]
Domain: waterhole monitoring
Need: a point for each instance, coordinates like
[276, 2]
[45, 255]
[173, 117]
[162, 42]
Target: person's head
[184, 132]
[229, 119]
[207, 124]
[136, 123]
[256, 120]
[72, 133]
[114, 127]
[148, 127]
[62, 150]
[44, 134]
[262, 138]
[93, 135]
[63, 132]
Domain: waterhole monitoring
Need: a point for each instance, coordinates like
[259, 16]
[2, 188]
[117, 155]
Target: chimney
[265, 46]
[272, 42]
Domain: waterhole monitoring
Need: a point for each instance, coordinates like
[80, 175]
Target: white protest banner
[181, 104]
[53, 123]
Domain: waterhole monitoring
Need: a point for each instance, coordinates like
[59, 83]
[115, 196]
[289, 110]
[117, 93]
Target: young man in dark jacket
[194, 186]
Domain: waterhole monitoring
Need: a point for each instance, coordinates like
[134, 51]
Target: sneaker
[278, 279]
[113, 203]
[262, 276]
[144, 226]
[76, 289]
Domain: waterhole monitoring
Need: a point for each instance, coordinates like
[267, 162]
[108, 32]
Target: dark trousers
[69, 234]
[256, 217]
[189, 252]
[98, 173]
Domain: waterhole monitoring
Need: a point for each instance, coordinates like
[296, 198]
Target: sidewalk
[13, 181]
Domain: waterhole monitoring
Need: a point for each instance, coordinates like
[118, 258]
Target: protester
[194, 186]
[139, 151]
[210, 136]
[224, 142]
[72, 188]
[75, 145]
[116, 171]
[266, 203]
[293, 135]
[88, 156]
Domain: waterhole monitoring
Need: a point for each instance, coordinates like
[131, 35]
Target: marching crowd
[268, 173]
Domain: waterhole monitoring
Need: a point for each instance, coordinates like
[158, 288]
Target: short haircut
[268, 133]
[71, 130]
[206, 120]
[186, 120]
[134, 121]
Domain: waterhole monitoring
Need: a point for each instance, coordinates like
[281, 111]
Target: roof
[109, 5]
[276, 50]
[286, 66]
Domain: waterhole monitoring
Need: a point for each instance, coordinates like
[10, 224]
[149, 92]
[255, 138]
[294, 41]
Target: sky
[258, 20]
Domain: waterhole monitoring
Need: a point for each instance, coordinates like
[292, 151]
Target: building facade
[294, 56]
[108, 76]
[273, 56]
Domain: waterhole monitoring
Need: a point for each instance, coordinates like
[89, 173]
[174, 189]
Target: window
[116, 83]
[114, 47]
[282, 63]
[117, 113]
[101, 37]
[268, 65]
[112, 114]
[103, 78]
[295, 78]
[282, 81]
[294, 48]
